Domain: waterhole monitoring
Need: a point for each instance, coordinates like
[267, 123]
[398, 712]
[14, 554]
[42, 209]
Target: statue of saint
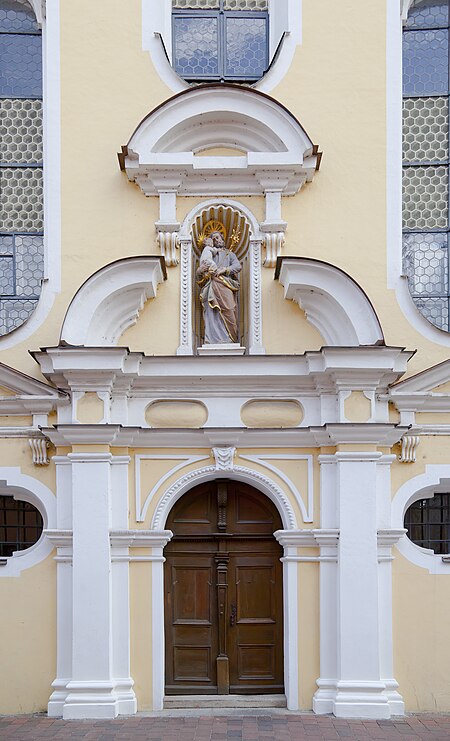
[217, 277]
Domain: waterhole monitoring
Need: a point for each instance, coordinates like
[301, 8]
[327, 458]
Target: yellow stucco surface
[28, 629]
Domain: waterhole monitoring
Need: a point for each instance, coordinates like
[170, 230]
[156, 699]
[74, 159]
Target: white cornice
[425, 381]
[325, 371]
[326, 435]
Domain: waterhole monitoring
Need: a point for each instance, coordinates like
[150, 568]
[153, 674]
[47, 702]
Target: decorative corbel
[409, 446]
[168, 245]
[273, 226]
[167, 227]
[39, 446]
[274, 243]
[224, 458]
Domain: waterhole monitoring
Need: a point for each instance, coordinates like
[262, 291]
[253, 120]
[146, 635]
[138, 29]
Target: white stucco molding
[435, 480]
[276, 154]
[39, 9]
[28, 489]
[333, 302]
[285, 35]
[110, 301]
[405, 6]
[237, 473]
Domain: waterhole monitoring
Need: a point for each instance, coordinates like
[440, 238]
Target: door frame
[290, 539]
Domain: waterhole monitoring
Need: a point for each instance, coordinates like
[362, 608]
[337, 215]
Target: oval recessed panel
[191, 414]
[267, 413]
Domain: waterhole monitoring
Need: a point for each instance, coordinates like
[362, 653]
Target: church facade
[224, 373]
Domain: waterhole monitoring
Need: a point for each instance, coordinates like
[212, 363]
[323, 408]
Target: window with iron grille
[428, 523]
[20, 525]
[21, 168]
[220, 39]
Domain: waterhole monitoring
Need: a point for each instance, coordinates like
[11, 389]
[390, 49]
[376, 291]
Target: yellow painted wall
[28, 643]
[421, 647]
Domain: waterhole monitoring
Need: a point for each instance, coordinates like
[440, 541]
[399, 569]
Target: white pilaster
[91, 689]
[387, 537]
[157, 540]
[126, 699]
[93, 671]
[255, 339]
[287, 538]
[62, 539]
[186, 334]
[351, 682]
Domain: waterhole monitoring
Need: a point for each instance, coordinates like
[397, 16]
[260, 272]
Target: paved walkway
[249, 727]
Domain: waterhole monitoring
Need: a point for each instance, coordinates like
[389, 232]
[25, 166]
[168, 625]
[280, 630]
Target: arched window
[21, 169]
[220, 39]
[428, 523]
[20, 525]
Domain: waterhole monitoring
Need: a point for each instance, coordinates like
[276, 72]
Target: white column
[157, 540]
[255, 338]
[387, 537]
[62, 539]
[91, 689]
[323, 701]
[289, 540]
[186, 333]
[349, 502]
[120, 582]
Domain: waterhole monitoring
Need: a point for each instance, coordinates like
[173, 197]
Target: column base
[395, 699]
[57, 699]
[93, 700]
[353, 699]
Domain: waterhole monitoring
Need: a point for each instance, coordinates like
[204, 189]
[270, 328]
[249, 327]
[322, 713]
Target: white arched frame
[435, 479]
[28, 489]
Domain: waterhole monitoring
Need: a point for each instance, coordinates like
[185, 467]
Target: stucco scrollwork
[224, 458]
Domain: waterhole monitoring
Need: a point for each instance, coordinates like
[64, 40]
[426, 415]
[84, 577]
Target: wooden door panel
[191, 641]
[255, 594]
[192, 663]
[191, 586]
[256, 662]
[256, 638]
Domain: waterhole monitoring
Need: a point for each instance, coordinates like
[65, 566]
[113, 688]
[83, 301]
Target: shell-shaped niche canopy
[230, 222]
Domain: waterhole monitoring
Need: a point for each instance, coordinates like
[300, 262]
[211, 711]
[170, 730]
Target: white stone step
[224, 701]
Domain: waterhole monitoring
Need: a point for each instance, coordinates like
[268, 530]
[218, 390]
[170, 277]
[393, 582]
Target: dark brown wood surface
[223, 593]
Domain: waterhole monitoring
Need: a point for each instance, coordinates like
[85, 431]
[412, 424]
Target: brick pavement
[201, 727]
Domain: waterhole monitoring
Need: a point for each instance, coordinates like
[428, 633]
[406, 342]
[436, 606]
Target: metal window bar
[21, 525]
[428, 523]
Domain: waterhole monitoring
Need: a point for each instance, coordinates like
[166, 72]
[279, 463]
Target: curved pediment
[273, 148]
[332, 301]
[110, 301]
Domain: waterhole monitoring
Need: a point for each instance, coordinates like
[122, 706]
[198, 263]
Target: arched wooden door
[223, 593]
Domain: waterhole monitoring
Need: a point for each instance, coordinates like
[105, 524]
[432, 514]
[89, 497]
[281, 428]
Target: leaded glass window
[220, 39]
[428, 523]
[21, 168]
[426, 227]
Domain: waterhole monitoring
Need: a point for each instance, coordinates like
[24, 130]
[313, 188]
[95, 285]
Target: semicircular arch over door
[223, 590]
